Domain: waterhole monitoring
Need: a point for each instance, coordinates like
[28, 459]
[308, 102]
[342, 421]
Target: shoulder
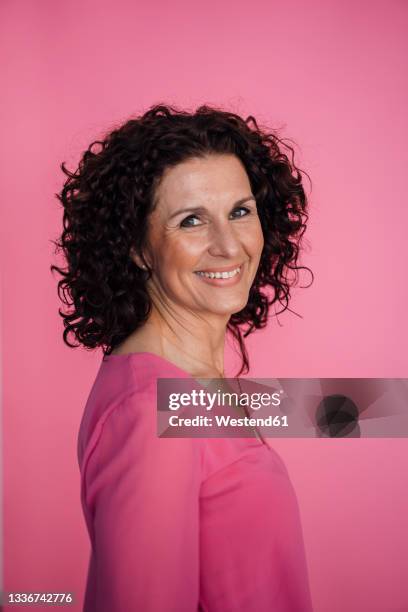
[121, 418]
[116, 381]
[126, 454]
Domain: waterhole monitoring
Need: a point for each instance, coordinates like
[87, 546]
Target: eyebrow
[202, 209]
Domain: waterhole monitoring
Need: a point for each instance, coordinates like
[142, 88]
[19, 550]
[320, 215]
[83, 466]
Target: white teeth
[220, 274]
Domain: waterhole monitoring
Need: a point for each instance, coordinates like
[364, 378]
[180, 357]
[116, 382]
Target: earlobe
[137, 259]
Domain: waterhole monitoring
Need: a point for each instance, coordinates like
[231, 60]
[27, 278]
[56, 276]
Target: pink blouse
[181, 524]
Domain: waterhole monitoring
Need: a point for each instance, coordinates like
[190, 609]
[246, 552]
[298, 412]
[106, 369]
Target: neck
[195, 342]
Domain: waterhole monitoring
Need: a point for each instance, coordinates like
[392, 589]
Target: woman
[171, 230]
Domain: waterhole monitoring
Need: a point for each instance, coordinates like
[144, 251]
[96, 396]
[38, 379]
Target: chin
[229, 309]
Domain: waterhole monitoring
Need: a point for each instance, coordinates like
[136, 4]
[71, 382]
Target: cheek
[178, 252]
[190, 247]
[255, 240]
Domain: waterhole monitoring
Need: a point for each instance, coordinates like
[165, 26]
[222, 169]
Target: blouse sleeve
[142, 495]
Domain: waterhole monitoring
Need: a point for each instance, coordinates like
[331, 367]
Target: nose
[224, 240]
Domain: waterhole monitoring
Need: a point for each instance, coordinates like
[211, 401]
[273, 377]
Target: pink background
[330, 75]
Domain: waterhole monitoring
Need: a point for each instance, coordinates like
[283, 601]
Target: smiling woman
[173, 231]
[205, 270]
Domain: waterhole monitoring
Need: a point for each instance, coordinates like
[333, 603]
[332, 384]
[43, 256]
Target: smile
[221, 278]
[224, 275]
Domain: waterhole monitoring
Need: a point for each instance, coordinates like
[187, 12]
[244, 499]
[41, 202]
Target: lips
[220, 275]
[226, 269]
[222, 279]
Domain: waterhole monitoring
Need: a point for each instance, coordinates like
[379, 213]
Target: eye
[244, 208]
[188, 221]
[185, 223]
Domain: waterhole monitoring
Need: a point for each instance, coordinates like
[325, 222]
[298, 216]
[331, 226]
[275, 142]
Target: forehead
[203, 179]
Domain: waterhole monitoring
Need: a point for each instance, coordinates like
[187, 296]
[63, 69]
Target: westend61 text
[227, 421]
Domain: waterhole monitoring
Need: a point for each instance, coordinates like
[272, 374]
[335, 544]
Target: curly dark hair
[107, 200]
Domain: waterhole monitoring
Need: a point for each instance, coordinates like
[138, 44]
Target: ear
[137, 259]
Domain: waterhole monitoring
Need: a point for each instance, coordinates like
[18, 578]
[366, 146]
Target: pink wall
[333, 76]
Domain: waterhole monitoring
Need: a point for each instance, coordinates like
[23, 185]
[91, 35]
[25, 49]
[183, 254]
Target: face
[205, 238]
